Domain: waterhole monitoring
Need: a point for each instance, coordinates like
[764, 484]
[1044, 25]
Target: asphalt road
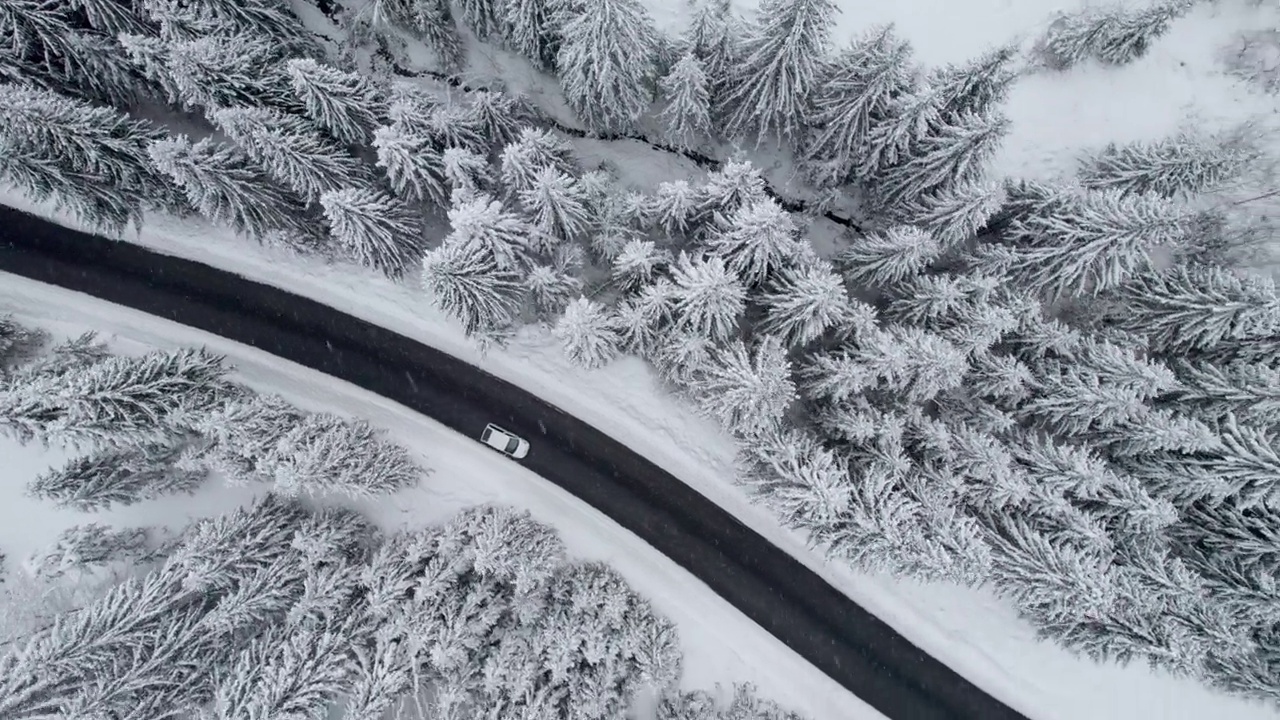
[846, 642]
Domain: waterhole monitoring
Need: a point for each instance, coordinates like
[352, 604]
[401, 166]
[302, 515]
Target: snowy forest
[1066, 391]
[287, 608]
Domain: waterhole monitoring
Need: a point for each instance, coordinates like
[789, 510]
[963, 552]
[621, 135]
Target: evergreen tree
[110, 477]
[1114, 34]
[955, 213]
[674, 206]
[223, 185]
[433, 22]
[709, 299]
[698, 705]
[976, 87]
[804, 303]
[54, 143]
[778, 69]
[885, 259]
[737, 183]
[85, 548]
[291, 152]
[414, 168]
[607, 62]
[531, 29]
[1176, 167]
[638, 264]
[712, 38]
[466, 170]
[498, 116]
[1068, 243]
[346, 105]
[244, 431]
[755, 240]
[957, 154]
[473, 287]
[748, 392]
[587, 332]
[325, 453]
[51, 48]
[532, 151]
[557, 205]
[1248, 391]
[552, 288]
[482, 16]
[807, 485]
[18, 344]
[687, 94]
[854, 91]
[210, 71]
[374, 229]
[484, 224]
[271, 19]
[1182, 308]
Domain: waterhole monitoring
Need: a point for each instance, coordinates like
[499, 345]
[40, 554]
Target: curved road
[826, 628]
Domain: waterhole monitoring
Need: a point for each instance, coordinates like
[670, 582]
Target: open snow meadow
[969, 306]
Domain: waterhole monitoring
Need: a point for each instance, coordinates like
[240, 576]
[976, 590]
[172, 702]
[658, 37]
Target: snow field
[721, 645]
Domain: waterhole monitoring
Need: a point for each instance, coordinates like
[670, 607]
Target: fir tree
[482, 16]
[686, 92]
[374, 229]
[747, 391]
[325, 453]
[498, 116]
[712, 38]
[271, 19]
[291, 152]
[709, 299]
[466, 170]
[414, 168]
[345, 104]
[531, 30]
[473, 287]
[552, 288]
[1114, 35]
[223, 185]
[587, 332]
[557, 205]
[885, 259]
[807, 485]
[532, 151]
[976, 87]
[778, 69]
[484, 224]
[674, 206]
[804, 303]
[244, 431]
[737, 183]
[1176, 167]
[955, 213]
[1188, 308]
[433, 21]
[957, 154]
[755, 240]
[85, 548]
[1249, 391]
[50, 48]
[638, 264]
[115, 477]
[607, 62]
[211, 71]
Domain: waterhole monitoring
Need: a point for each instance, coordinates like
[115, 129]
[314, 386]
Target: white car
[504, 442]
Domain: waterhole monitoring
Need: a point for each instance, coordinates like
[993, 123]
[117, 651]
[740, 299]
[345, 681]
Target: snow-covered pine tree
[700, 705]
[557, 205]
[735, 184]
[483, 17]
[54, 143]
[484, 224]
[467, 171]
[587, 332]
[244, 430]
[1113, 34]
[434, 24]
[673, 207]
[1175, 167]
[712, 38]
[956, 213]
[755, 240]
[854, 91]
[116, 400]
[639, 262]
[1181, 309]
[978, 86]
[551, 288]
[225, 186]
[472, 286]
[148, 55]
[374, 229]
[778, 68]
[884, 259]
[747, 390]
[1081, 243]
[290, 150]
[325, 454]
[954, 154]
[531, 29]
[1248, 391]
[111, 477]
[687, 93]
[807, 485]
[803, 303]
[498, 116]
[273, 20]
[414, 168]
[86, 548]
[345, 104]
[532, 151]
[709, 299]
[607, 62]
[213, 71]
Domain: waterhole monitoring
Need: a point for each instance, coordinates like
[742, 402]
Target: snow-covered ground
[721, 645]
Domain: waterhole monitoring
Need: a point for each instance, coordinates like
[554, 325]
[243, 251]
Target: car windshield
[512, 444]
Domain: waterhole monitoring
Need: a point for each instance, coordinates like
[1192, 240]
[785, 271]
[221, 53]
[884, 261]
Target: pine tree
[346, 105]
[976, 87]
[885, 259]
[778, 69]
[325, 454]
[557, 205]
[532, 151]
[1189, 308]
[498, 116]
[226, 187]
[747, 391]
[111, 477]
[271, 19]
[85, 548]
[291, 152]
[607, 62]
[483, 223]
[55, 143]
[1114, 35]
[956, 154]
[854, 92]
[243, 431]
[638, 264]
[433, 22]
[698, 705]
[374, 229]
[415, 169]
[956, 213]
[737, 183]
[210, 71]
[587, 332]
[808, 486]
[466, 170]
[531, 30]
[687, 93]
[806, 302]
[1248, 391]
[473, 287]
[552, 288]
[674, 206]
[756, 240]
[51, 48]
[1068, 243]
[1176, 167]
[709, 299]
[483, 17]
